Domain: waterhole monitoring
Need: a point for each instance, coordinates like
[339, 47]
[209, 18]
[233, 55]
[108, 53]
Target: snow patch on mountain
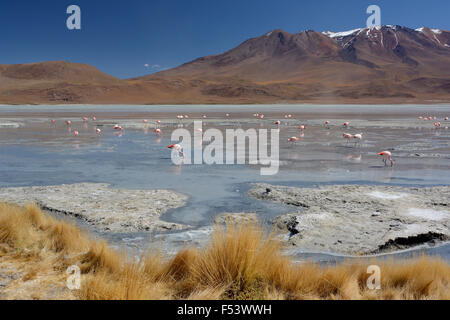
[341, 34]
[435, 31]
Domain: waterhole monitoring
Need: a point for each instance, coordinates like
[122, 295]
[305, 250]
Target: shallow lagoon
[35, 152]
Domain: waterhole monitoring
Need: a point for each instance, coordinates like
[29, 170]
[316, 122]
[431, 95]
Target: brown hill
[389, 64]
[51, 82]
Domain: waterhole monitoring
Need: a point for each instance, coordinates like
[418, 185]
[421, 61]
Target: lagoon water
[35, 152]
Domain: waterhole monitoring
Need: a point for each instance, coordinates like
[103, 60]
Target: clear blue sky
[120, 37]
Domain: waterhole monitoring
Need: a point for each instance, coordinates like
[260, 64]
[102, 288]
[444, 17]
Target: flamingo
[278, 122]
[157, 131]
[261, 116]
[348, 136]
[327, 124]
[84, 119]
[75, 133]
[145, 121]
[158, 121]
[117, 127]
[386, 156]
[420, 118]
[302, 127]
[98, 131]
[358, 138]
[346, 124]
[293, 139]
[437, 125]
[446, 119]
[177, 148]
[53, 121]
[68, 122]
[204, 116]
[93, 118]
[289, 115]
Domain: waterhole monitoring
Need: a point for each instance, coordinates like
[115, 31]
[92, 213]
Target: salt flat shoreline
[343, 220]
[225, 105]
[360, 219]
[325, 103]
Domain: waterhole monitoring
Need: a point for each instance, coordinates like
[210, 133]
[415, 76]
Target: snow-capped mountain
[380, 64]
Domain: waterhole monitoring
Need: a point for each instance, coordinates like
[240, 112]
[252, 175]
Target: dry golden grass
[241, 262]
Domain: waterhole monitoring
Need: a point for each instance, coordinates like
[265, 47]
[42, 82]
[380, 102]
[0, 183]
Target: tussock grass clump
[240, 262]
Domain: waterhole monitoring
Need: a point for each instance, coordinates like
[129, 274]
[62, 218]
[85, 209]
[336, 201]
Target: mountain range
[387, 64]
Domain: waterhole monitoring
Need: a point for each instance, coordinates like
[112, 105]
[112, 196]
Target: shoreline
[346, 235]
[37, 249]
[359, 219]
[224, 104]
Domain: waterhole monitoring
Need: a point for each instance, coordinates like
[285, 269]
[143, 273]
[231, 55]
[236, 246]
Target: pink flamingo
[358, 138]
[53, 121]
[157, 131]
[278, 122]
[446, 119]
[93, 118]
[68, 122]
[294, 139]
[327, 124]
[98, 131]
[145, 121]
[75, 133]
[387, 156]
[177, 148]
[347, 136]
[346, 124]
[302, 127]
[84, 119]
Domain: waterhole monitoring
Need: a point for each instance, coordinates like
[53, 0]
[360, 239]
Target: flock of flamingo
[357, 138]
